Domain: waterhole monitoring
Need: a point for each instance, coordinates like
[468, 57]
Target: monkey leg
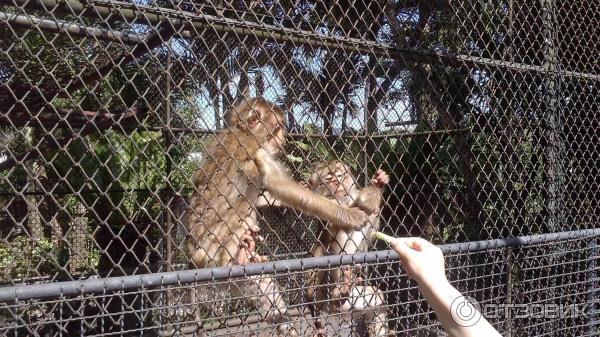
[368, 302]
[182, 318]
[316, 296]
[342, 280]
[318, 323]
[264, 293]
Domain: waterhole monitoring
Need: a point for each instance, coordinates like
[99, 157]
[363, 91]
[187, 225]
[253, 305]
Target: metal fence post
[592, 289]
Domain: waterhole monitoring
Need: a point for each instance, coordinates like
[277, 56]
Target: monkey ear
[230, 118]
[235, 114]
[232, 115]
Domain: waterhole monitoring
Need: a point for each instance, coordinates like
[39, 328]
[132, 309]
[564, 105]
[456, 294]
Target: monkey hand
[380, 179]
[267, 166]
[355, 217]
[264, 161]
[247, 249]
[369, 200]
[260, 157]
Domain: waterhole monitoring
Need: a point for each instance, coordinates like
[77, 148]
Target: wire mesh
[484, 115]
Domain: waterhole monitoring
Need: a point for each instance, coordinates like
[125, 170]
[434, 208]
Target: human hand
[422, 260]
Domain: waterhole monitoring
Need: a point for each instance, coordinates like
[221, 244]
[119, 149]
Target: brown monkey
[333, 290]
[222, 220]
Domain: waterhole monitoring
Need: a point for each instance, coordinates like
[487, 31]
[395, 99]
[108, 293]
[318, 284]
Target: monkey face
[275, 132]
[262, 119]
[332, 178]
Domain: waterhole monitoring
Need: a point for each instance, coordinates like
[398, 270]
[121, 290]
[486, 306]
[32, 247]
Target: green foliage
[23, 258]
[22, 255]
[306, 152]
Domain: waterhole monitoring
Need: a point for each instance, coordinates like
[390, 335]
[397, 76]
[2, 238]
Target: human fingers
[401, 247]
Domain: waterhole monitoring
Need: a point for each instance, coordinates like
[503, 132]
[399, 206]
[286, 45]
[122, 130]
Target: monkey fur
[237, 164]
[333, 290]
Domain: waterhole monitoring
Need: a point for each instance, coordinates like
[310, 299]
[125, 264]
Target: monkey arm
[298, 197]
[267, 200]
[369, 199]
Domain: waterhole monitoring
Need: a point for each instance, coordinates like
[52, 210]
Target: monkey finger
[245, 240]
[380, 178]
[385, 179]
[256, 258]
[251, 243]
[320, 332]
[241, 256]
[248, 244]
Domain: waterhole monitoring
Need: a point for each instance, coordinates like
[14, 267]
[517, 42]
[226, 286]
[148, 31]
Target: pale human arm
[424, 262]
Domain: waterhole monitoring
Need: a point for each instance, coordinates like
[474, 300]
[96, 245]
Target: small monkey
[222, 222]
[332, 290]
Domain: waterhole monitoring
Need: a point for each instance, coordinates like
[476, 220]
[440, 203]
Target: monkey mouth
[339, 192]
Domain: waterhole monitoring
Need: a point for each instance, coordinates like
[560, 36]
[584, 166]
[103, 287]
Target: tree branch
[52, 144]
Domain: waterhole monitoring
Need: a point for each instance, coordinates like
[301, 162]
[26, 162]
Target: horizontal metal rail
[152, 15]
[59, 26]
[120, 283]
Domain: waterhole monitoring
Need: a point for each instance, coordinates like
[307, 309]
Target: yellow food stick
[384, 237]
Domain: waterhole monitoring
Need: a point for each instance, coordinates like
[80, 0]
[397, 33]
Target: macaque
[222, 223]
[333, 290]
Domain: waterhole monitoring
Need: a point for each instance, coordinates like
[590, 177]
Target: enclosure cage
[484, 114]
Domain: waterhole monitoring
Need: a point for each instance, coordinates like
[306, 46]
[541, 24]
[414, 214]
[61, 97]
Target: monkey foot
[286, 329]
[321, 332]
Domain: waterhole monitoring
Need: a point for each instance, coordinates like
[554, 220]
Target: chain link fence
[483, 113]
